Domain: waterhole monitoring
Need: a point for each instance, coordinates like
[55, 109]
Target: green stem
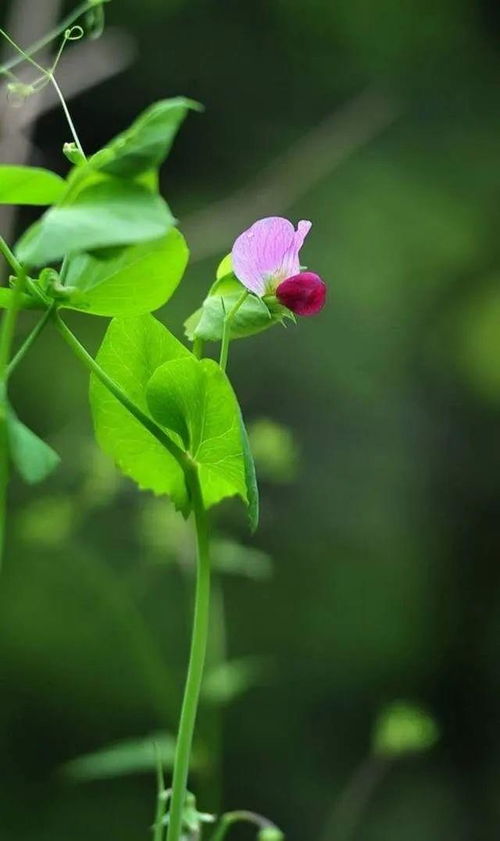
[30, 340]
[48, 75]
[226, 330]
[196, 662]
[82, 354]
[67, 115]
[9, 324]
[6, 339]
[4, 479]
[10, 257]
[202, 596]
[198, 348]
[161, 800]
[211, 723]
[23, 56]
[59, 30]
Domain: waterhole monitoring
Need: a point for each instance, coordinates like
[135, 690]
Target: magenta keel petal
[303, 294]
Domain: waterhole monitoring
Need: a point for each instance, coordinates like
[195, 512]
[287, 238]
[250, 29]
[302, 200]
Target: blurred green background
[380, 500]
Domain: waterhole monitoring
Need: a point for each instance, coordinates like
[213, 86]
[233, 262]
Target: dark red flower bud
[303, 294]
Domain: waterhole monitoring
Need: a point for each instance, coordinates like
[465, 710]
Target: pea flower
[266, 261]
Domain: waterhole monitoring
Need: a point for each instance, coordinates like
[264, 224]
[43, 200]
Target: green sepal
[254, 315]
[74, 155]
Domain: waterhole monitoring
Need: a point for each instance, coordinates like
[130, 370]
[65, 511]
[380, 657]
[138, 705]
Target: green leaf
[147, 142]
[194, 399]
[225, 682]
[274, 449]
[403, 728]
[130, 756]
[176, 398]
[25, 302]
[110, 212]
[231, 558]
[139, 279]
[253, 316]
[132, 350]
[30, 185]
[32, 457]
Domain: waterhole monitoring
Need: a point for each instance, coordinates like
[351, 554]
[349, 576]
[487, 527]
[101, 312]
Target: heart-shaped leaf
[147, 142]
[194, 399]
[129, 756]
[25, 302]
[30, 185]
[132, 350]
[110, 212]
[32, 457]
[139, 279]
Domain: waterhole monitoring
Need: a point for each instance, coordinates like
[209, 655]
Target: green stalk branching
[7, 67]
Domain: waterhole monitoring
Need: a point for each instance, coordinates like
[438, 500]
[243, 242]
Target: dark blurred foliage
[386, 546]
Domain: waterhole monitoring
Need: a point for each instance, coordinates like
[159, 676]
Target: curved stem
[30, 340]
[226, 330]
[10, 257]
[196, 662]
[349, 809]
[84, 356]
[242, 815]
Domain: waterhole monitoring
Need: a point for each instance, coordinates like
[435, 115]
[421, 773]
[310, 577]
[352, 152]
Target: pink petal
[291, 263]
[259, 253]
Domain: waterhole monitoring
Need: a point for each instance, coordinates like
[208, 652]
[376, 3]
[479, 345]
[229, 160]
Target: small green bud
[55, 288]
[270, 833]
[402, 728]
[94, 21]
[73, 154]
[18, 92]
[47, 278]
